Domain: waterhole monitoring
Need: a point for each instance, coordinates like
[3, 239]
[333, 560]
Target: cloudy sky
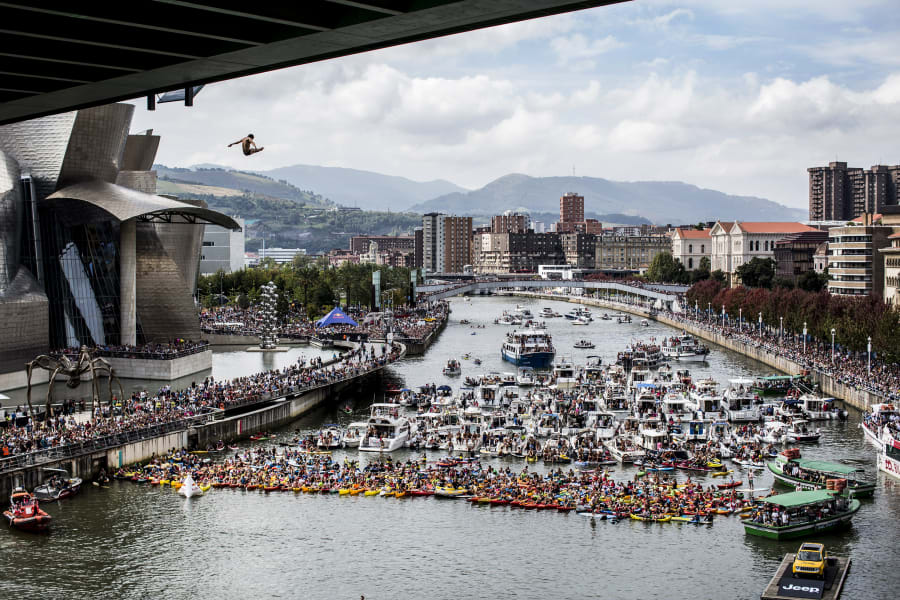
[740, 96]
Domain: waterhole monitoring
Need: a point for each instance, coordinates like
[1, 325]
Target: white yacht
[355, 432]
[695, 431]
[640, 373]
[816, 407]
[654, 434]
[526, 378]
[564, 374]
[739, 401]
[874, 421]
[684, 348]
[705, 398]
[802, 431]
[386, 430]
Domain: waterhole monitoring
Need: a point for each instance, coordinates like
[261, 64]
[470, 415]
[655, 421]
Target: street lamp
[708, 310]
[760, 323]
[723, 316]
[869, 354]
[696, 310]
[832, 345]
[780, 328]
[804, 337]
[740, 319]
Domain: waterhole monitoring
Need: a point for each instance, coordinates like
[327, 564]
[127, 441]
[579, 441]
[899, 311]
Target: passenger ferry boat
[889, 457]
[683, 348]
[386, 431]
[739, 402]
[813, 475]
[528, 348]
[801, 514]
[777, 385]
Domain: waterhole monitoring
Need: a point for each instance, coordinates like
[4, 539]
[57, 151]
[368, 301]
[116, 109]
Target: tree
[812, 281]
[783, 282]
[718, 275]
[702, 271]
[758, 272]
[664, 268]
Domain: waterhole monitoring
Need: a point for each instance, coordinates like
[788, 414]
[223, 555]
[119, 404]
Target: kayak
[723, 473]
[728, 486]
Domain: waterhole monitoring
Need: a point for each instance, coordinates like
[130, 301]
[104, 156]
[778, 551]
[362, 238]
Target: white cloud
[578, 47]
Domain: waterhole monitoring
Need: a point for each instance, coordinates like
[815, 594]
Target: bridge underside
[60, 56]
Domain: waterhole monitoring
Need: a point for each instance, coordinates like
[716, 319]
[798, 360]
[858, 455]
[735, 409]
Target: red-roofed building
[734, 244]
[690, 245]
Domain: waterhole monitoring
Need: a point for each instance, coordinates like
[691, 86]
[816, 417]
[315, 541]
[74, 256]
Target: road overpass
[60, 56]
[666, 295]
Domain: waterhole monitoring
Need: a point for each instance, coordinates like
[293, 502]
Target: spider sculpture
[74, 370]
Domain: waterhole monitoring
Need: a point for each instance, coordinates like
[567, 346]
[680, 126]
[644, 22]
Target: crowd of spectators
[154, 350]
[407, 322]
[849, 368]
[143, 410]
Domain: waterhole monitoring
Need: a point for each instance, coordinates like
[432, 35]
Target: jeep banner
[791, 587]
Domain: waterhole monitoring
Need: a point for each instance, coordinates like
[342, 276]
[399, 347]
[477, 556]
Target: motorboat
[453, 368]
[684, 348]
[775, 432]
[25, 513]
[507, 379]
[645, 323]
[817, 408]
[523, 313]
[706, 399]
[584, 344]
[58, 487]
[801, 514]
[331, 436]
[189, 488]
[529, 348]
[593, 369]
[581, 321]
[354, 434]
[547, 313]
[564, 374]
[386, 430]
[801, 431]
[525, 378]
[739, 402]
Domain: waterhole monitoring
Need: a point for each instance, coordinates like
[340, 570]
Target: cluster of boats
[24, 510]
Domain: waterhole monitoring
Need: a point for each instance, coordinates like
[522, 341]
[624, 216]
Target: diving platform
[784, 586]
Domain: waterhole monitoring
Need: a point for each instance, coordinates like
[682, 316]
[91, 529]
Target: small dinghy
[189, 488]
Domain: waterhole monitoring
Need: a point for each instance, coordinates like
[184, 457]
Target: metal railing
[143, 354]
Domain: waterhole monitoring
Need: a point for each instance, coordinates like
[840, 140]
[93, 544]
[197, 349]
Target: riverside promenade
[252, 413]
[851, 396]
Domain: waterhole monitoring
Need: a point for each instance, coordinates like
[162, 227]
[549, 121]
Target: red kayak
[728, 486]
[24, 513]
[421, 493]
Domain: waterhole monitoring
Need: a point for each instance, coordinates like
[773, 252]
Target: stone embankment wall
[858, 399]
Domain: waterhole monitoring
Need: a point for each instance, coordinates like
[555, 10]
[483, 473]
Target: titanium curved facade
[89, 254]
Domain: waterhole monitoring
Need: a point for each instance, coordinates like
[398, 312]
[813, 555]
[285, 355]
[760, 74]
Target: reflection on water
[144, 541]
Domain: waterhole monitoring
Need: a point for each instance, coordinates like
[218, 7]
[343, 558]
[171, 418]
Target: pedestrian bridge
[660, 296]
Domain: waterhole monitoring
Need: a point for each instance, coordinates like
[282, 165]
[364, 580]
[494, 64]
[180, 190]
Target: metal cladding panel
[39, 146]
[10, 220]
[96, 145]
[140, 152]
[182, 243]
[142, 181]
[165, 306]
[24, 322]
[124, 203]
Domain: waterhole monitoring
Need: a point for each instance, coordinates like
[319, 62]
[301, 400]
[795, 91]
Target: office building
[359, 244]
[281, 256]
[446, 243]
[629, 253]
[856, 267]
[89, 254]
[510, 223]
[517, 252]
[690, 245]
[841, 193]
[735, 243]
[795, 253]
[571, 208]
[580, 249]
[223, 249]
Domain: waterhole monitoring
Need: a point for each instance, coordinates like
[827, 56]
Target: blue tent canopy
[335, 317]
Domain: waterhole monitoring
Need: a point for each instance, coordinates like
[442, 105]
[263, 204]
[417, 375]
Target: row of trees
[306, 284]
[853, 319]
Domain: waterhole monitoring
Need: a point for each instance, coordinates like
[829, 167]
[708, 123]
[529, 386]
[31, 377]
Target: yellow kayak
[205, 488]
[343, 492]
[372, 492]
[355, 492]
[722, 473]
[297, 489]
[164, 482]
[176, 485]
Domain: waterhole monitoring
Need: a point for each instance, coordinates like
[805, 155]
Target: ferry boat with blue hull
[529, 348]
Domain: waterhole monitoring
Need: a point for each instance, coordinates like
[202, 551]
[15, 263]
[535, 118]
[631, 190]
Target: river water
[130, 541]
